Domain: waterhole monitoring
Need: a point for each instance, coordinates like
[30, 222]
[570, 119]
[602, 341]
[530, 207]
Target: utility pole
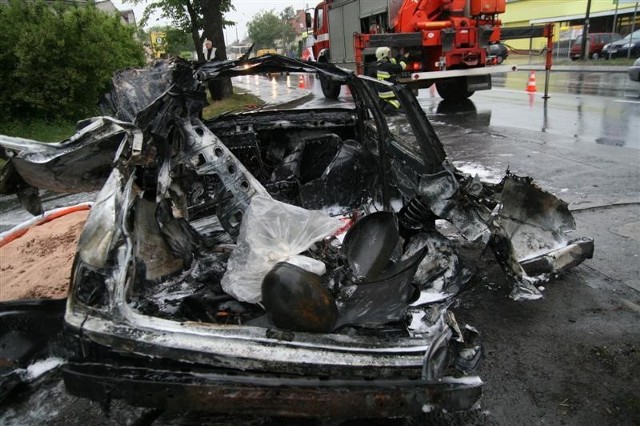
[613, 27]
[633, 28]
[585, 32]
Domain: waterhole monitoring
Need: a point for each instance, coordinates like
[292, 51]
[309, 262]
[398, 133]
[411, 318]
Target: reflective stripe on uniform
[386, 95]
[402, 63]
[393, 102]
[383, 75]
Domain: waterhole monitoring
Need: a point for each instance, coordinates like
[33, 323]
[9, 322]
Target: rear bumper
[242, 392]
[618, 53]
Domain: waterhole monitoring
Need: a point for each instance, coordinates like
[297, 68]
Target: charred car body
[207, 277]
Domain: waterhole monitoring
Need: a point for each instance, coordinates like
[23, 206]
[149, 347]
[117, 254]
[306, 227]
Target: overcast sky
[245, 11]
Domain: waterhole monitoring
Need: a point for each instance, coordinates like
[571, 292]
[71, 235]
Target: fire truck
[446, 40]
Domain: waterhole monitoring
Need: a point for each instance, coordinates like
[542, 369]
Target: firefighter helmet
[382, 52]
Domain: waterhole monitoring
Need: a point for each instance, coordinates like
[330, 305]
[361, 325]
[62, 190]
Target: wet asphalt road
[601, 108]
[593, 107]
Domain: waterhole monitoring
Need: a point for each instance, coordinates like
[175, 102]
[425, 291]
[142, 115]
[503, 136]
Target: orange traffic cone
[531, 86]
[301, 82]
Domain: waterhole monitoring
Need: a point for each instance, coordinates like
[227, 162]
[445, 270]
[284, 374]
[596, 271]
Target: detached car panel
[179, 298]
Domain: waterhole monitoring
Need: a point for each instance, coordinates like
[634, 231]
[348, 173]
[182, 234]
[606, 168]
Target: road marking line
[626, 101]
[501, 89]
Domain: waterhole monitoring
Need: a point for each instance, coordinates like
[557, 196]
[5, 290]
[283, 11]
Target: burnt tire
[330, 88]
[453, 89]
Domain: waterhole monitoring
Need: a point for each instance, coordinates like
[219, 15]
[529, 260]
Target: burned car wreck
[279, 262]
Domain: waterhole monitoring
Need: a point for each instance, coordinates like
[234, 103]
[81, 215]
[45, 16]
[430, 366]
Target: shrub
[57, 60]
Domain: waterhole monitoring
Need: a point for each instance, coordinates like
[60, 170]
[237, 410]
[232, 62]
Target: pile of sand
[38, 264]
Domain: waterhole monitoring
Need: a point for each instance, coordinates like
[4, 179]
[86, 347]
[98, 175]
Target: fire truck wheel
[330, 88]
[453, 89]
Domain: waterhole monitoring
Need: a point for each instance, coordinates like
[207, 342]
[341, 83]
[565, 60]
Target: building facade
[126, 16]
[568, 18]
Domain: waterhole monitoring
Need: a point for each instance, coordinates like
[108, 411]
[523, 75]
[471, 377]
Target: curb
[292, 103]
[22, 228]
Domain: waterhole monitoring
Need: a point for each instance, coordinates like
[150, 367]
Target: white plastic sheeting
[273, 232]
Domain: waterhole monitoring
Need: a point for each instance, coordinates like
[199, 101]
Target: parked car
[634, 71]
[499, 51]
[211, 276]
[626, 46]
[595, 43]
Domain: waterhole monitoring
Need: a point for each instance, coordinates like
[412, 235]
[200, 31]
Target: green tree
[57, 60]
[188, 17]
[192, 17]
[266, 28]
[212, 12]
[288, 14]
[288, 17]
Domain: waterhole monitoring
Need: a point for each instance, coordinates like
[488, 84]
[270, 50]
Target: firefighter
[386, 69]
[402, 58]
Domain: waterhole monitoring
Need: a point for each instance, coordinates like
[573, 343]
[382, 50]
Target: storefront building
[568, 18]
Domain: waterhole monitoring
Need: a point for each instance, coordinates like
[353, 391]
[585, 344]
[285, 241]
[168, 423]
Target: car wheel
[453, 89]
[499, 59]
[595, 56]
[330, 88]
